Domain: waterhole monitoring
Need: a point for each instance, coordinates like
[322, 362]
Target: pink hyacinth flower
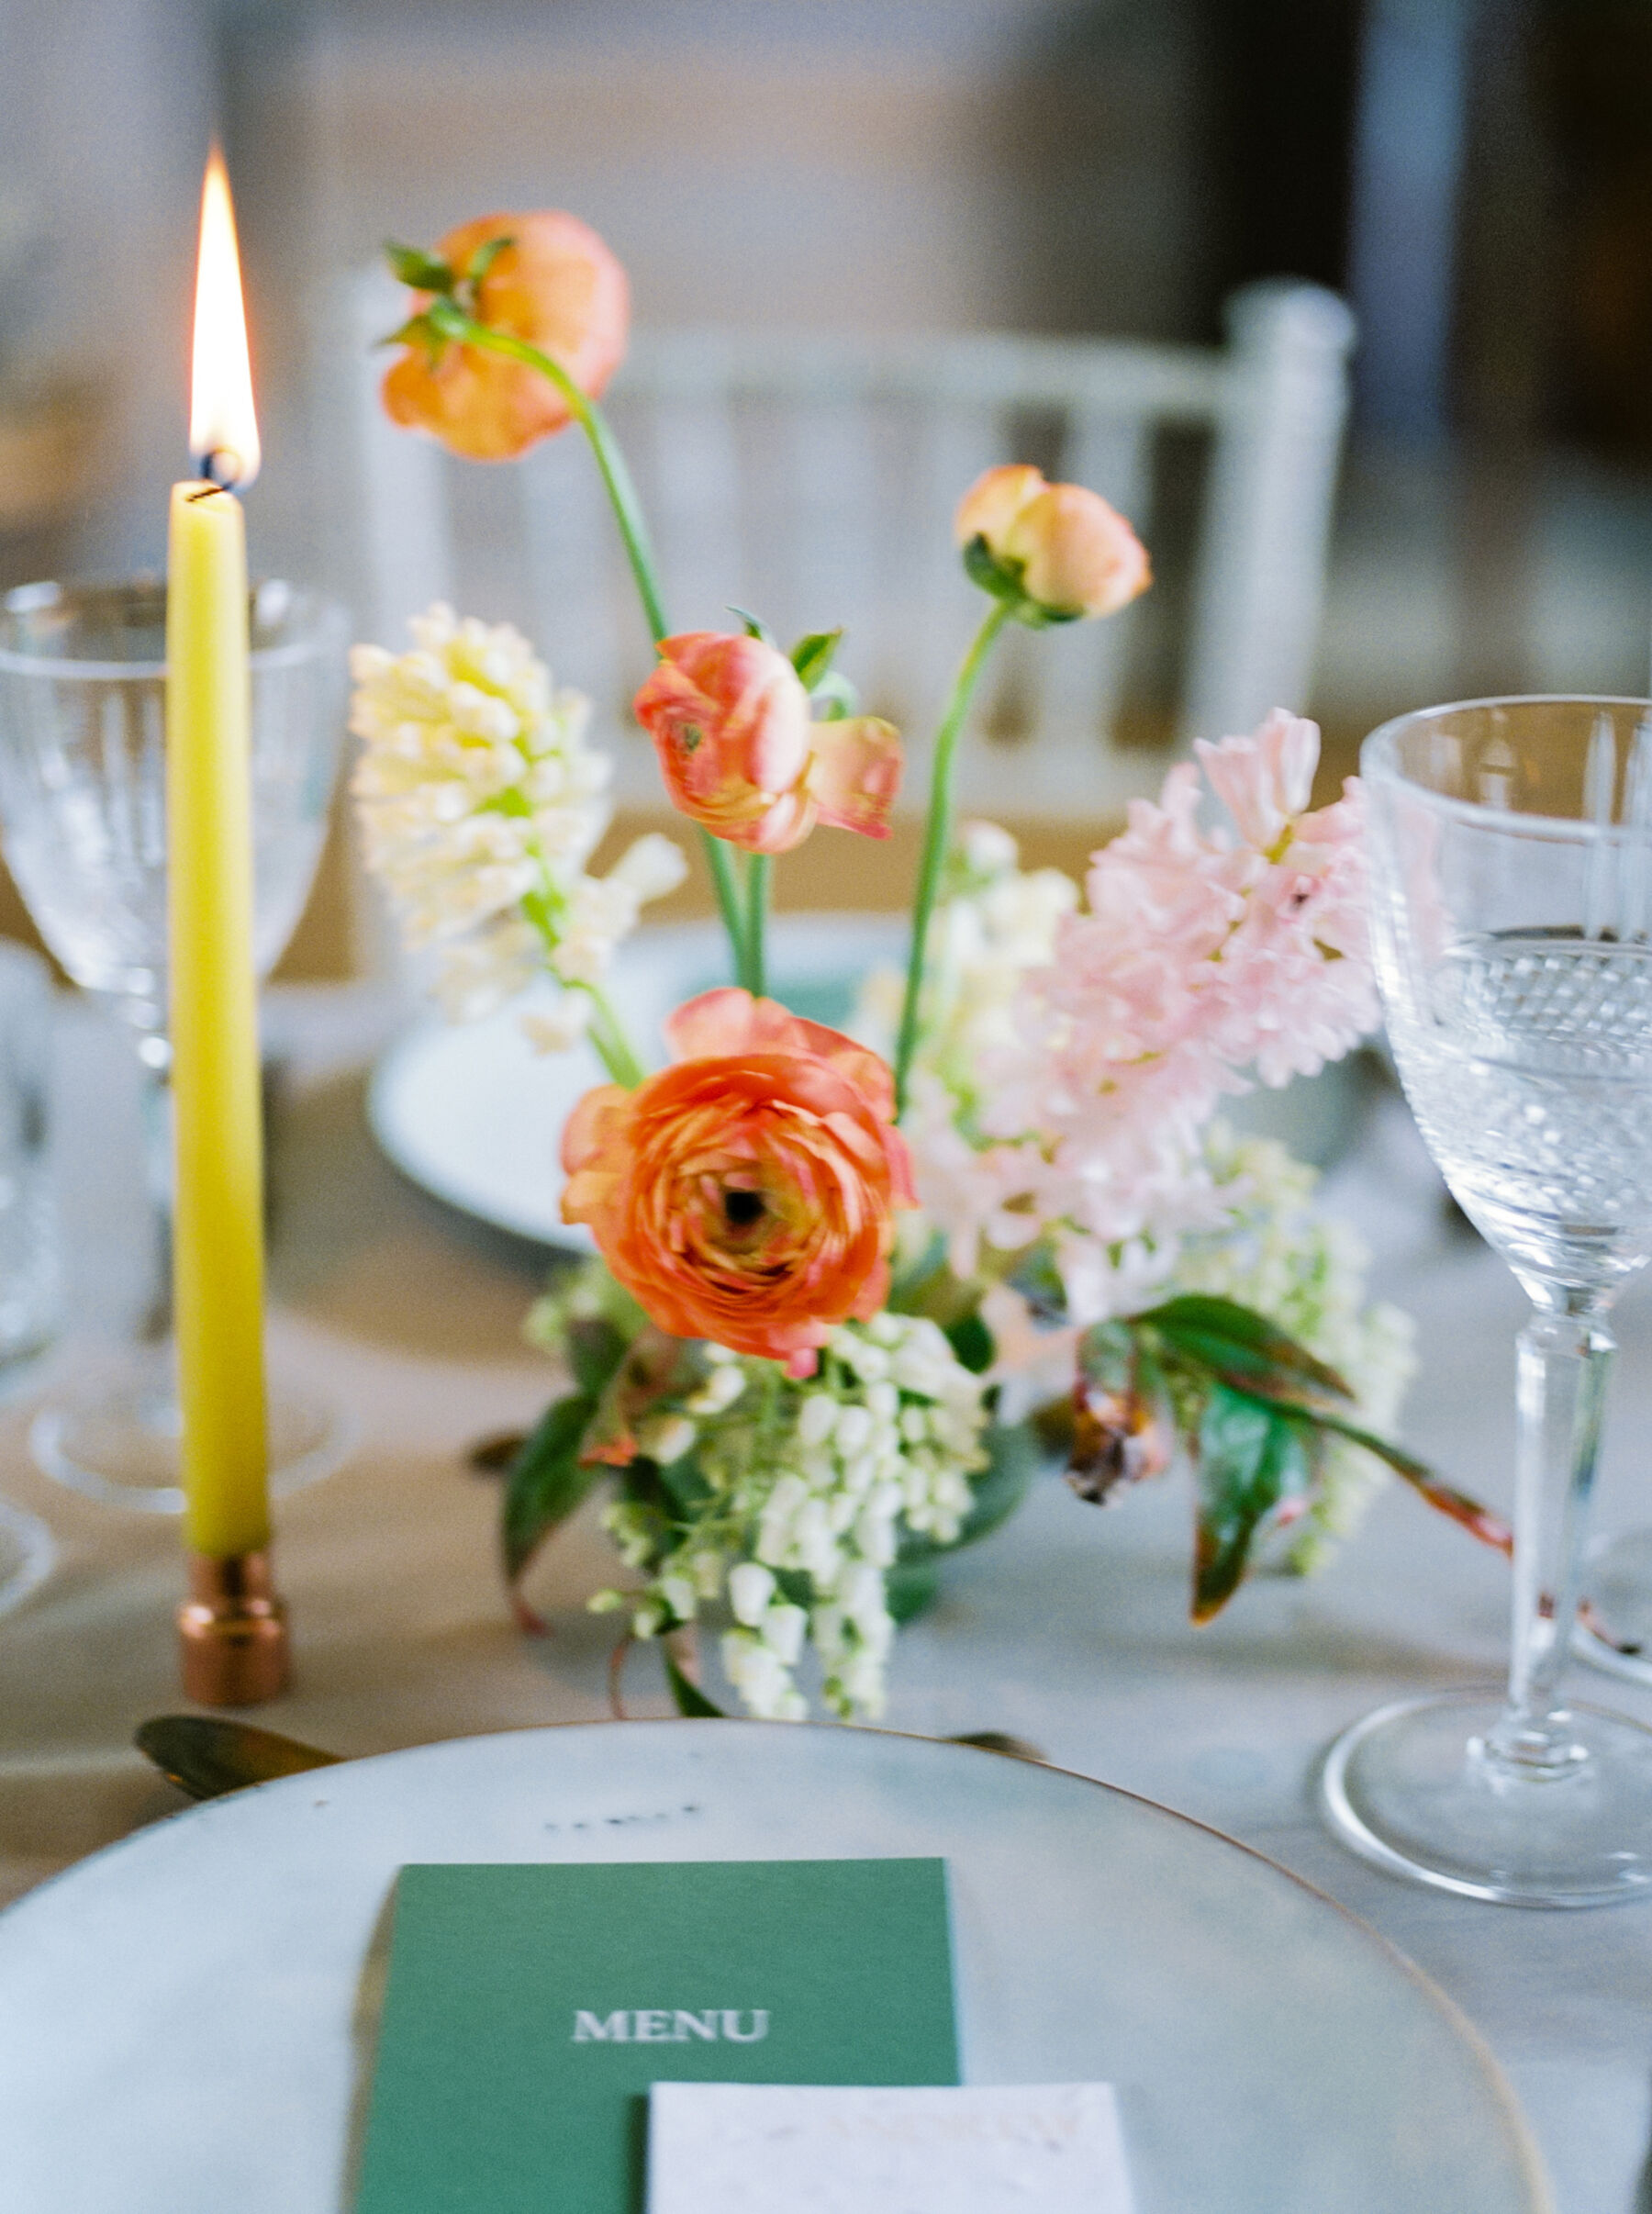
[1265, 781]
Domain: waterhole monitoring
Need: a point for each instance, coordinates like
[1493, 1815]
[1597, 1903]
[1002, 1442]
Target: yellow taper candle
[218, 1207]
[212, 994]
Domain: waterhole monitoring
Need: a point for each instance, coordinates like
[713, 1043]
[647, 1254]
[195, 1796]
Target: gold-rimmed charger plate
[181, 2017]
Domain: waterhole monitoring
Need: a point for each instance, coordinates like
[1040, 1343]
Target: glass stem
[1561, 1396]
[154, 1325]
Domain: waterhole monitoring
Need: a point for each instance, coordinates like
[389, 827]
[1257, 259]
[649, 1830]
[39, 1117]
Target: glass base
[1614, 1632]
[27, 1555]
[1412, 1789]
[115, 1436]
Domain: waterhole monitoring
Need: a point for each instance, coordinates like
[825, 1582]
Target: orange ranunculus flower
[745, 1194]
[1059, 546]
[730, 720]
[556, 285]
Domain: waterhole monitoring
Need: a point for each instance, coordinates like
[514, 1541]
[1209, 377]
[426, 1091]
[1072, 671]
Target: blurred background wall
[1475, 176]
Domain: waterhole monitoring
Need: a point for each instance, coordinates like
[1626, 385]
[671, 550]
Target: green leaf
[684, 1488]
[485, 255]
[1249, 1455]
[1245, 1349]
[595, 1349]
[835, 694]
[812, 656]
[983, 568]
[796, 1586]
[691, 1700]
[447, 318]
[754, 626]
[547, 1481]
[972, 1341]
[909, 1587]
[417, 331]
[412, 266]
[1445, 1498]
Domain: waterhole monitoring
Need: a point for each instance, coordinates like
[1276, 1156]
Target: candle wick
[220, 467]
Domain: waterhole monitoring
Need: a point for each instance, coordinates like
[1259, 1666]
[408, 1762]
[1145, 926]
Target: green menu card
[530, 2009]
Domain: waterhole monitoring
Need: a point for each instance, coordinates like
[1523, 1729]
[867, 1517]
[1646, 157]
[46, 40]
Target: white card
[979, 2149]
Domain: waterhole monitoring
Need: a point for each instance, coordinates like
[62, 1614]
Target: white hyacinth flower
[554, 1030]
[481, 804]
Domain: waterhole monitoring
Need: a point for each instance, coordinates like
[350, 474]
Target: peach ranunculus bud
[1058, 553]
[730, 719]
[746, 1194]
[553, 283]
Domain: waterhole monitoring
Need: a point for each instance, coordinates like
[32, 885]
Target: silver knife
[208, 1755]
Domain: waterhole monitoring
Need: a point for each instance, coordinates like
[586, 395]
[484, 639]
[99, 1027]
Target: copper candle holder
[232, 1632]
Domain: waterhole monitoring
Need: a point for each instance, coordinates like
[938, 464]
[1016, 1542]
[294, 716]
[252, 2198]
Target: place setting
[769, 1780]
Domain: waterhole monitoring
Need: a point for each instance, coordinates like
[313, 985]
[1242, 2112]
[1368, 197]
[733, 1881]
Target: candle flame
[223, 428]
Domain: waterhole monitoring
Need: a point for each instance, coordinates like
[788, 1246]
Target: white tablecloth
[1069, 1628]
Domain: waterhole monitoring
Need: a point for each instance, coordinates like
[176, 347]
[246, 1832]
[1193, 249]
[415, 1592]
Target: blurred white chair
[813, 478]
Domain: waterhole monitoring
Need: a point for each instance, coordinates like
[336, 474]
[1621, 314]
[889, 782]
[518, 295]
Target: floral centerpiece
[853, 1289]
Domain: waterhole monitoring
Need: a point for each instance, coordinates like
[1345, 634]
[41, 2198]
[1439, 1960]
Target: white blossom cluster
[480, 804]
[1305, 1271]
[810, 1486]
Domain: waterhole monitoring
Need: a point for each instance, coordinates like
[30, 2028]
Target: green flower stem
[633, 532]
[604, 1030]
[616, 476]
[607, 1034]
[759, 869]
[728, 898]
[937, 836]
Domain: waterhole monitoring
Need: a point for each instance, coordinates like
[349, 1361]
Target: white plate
[471, 1113]
[27, 1555]
[182, 2025]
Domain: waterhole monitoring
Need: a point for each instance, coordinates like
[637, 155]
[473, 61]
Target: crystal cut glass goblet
[1510, 852]
[82, 814]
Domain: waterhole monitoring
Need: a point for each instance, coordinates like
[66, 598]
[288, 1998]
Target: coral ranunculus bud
[1058, 553]
[746, 1194]
[554, 285]
[730, 719]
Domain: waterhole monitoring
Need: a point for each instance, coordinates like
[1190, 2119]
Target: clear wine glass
[1511, 846]
[82, 819]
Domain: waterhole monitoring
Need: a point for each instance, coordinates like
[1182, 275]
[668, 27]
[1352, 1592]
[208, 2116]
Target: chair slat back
[403, 496]
[812, 479]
